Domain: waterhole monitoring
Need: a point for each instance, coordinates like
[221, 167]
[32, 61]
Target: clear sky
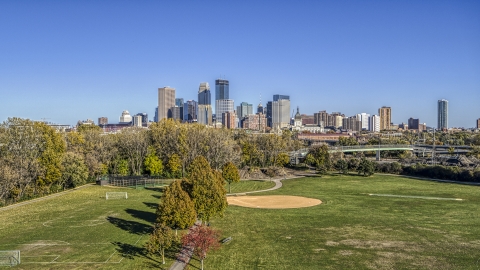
[71, 60]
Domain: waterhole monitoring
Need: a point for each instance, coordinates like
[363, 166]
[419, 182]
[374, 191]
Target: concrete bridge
[417, 149]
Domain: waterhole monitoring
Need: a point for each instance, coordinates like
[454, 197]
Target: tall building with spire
[442, 114]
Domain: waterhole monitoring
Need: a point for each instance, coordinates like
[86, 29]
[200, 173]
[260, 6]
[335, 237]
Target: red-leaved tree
[201, 239]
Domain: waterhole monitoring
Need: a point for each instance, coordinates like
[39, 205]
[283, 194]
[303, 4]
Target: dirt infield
[272, 202]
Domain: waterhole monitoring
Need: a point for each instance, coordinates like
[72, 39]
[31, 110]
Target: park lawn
[352, 230]
[82, 230]
[250, 185]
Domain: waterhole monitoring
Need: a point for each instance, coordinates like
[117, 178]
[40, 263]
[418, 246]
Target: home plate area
[273, 201]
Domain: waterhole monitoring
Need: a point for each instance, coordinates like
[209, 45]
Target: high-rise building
[280, 113]
[442, 114]
[137, 120]
[374, 123]
[478, 123]
[155, 117]
[204, 114]
[363, 117]
[223, 106]
[244, 109]
[269, 113]
[190, 111]
[228, 119]
[352, 123]
[144, 119]
[204, 95]
[385, 114]
[222, 88]
[413, 123]
[126, 117]
[102, 120]
[320, 118]
[166, 100]
[278, 97]
[260, 108]
[178, 114]
[255, 122]
[223, 103]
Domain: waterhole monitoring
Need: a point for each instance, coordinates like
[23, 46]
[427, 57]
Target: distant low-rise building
[102, 120]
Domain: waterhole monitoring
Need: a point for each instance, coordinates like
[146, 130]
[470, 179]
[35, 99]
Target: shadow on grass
[157, 196]
[130, 226]
[144, 215]
[151, 205]
[157, 189]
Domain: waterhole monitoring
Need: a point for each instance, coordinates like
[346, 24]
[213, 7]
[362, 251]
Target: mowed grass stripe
[415, 197]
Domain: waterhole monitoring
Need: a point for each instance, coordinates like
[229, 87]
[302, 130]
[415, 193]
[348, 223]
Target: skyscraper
[178, 113]
[223, 103]
[277, 97]
[166, 100]
[442, 114]
[363, 117]
[190, 111]
[374, 123]
[385, 114]
[478, 123]
[280, 112]
[223, 106]
[204, 115]
[222, 88]
[244, 109]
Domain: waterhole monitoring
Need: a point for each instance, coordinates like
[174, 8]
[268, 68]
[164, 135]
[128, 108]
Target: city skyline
[72, 61]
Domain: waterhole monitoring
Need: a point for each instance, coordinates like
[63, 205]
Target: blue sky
[72, 60]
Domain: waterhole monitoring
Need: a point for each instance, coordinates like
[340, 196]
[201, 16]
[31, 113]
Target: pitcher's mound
[273, 201]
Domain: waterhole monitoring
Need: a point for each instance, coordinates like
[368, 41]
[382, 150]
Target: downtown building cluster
[274, 116]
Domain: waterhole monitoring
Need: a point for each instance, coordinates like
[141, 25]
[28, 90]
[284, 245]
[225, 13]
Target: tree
[133, 145]
[366, 167]
[342, 166]
[176, 209]
[153, 165]
[230, 174]
[206, 189]
[353, 164]
[347, 141]
[75, 172]
[174, 166]
[202, 239]
[161, 238]
[319, 157]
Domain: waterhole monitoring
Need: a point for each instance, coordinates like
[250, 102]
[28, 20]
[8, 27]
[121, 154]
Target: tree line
[36, 160]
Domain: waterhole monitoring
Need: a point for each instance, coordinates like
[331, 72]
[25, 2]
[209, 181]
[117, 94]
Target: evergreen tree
[176, 209]
[230, 174]
[366, 167]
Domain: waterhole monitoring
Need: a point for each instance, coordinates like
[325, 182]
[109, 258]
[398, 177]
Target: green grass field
[350, 230]
[83, 230]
